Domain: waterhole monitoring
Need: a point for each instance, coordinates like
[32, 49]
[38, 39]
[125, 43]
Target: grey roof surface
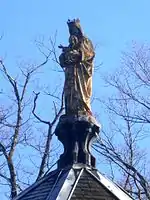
[74, 183]
[47, 186]
[88, 188]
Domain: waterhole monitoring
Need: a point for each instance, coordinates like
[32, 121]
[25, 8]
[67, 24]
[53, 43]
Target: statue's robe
[78, 79]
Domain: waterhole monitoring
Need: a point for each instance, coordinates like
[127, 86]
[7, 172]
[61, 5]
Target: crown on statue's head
[72, 24]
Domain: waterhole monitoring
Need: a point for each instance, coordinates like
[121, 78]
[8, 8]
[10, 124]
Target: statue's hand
[63, 48]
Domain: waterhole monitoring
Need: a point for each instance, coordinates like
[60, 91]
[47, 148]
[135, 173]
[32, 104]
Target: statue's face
[74, 30]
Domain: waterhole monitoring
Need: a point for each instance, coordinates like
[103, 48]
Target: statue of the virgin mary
[77, 61]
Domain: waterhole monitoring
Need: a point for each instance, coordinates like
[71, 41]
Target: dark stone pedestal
[77, 135]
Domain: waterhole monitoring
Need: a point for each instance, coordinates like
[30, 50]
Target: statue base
[77, 134]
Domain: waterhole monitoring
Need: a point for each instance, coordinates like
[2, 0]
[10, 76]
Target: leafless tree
[128, 108]
[50, 133]
[16, 120]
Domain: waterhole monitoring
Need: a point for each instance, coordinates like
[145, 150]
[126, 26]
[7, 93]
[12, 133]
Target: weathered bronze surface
[77, 61]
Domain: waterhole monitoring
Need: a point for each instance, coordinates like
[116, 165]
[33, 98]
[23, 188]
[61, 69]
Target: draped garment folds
[78, 66]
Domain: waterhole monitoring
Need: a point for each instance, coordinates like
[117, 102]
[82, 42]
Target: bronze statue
[77, 61]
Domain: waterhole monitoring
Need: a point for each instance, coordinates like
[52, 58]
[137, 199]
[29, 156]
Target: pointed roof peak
[71, 183]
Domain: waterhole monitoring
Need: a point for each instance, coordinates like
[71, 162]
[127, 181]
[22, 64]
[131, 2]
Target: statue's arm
[87, 51]
[87, 56]
[64, 48]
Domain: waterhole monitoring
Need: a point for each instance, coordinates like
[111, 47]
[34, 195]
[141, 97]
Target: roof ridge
[110, 186]
[57, 179]
[36, 183]
[76, 182]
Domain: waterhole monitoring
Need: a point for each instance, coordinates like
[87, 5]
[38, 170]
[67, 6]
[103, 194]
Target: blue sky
[111, 25]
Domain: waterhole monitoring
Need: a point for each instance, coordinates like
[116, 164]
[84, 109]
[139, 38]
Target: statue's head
[75, 27]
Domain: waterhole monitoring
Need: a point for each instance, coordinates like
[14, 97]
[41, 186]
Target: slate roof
[74, 183]
[47, 186]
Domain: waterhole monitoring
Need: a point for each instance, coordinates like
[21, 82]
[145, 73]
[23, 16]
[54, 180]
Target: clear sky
[111, 24]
